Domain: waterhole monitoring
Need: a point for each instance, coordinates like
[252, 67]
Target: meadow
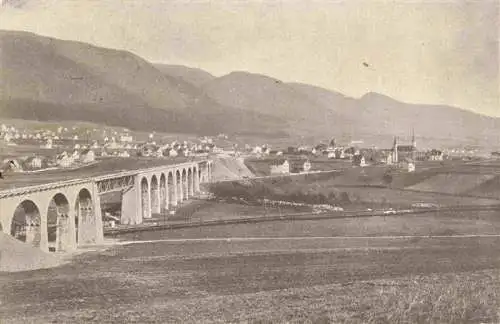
[350, 188]
[282, 272]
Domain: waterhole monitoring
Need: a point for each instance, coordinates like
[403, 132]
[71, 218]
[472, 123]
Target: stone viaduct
[63, 215]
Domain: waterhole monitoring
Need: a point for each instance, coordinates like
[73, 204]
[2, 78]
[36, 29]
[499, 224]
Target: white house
[408, 165]
[113, 145]
[147, 149]
[173, 153]
[48, 144]
[64, 160]
[12, 165]
[75, 155]
[158, 153]
[257, 150]
[76, 146]
[87, 156]
[280, 167]
[358, 160]
[126, 138]
[436, 155]
[307, 166]
[33, 163]
[124, 153]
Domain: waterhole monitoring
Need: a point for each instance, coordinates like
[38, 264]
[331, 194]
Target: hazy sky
[417, 51]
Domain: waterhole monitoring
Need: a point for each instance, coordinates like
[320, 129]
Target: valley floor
[350, 271]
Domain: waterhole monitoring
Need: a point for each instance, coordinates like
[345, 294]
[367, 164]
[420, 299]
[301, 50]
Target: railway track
[297, 216]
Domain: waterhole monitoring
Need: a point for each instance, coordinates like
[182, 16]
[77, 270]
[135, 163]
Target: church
[404, 153]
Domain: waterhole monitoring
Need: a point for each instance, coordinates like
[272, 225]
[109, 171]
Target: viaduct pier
[66, 214]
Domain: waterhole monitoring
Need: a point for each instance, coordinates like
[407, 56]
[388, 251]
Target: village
[306, 159]
[36, 150]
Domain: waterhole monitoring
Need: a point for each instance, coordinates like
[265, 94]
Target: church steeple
[413, 140]
[395, 150]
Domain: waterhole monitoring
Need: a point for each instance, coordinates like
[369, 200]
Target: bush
[387, 178]
[344, 197]
[283, 188]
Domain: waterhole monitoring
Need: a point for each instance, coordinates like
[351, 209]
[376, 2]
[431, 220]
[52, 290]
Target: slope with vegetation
[44, 78]
[49, 79]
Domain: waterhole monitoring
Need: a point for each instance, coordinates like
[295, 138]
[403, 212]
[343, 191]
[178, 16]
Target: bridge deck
[106, 166]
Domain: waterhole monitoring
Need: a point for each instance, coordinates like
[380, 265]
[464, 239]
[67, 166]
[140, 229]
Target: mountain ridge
[49, 79]
[46, 78]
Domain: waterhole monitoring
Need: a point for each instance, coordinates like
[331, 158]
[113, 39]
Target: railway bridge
[63, 215]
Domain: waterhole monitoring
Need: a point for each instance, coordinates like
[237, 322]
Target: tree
[387, 178]
[344, 197]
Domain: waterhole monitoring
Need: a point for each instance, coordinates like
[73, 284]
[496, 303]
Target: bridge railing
[41, 187]
[134, 172]
[65, 183]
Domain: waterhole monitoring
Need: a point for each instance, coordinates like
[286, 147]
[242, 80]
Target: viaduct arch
[61, 216]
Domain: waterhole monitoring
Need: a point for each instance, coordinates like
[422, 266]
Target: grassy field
[490, 188]
[198, 211]
[352, 188]
[268, 280]
[437, 223]
[452, 183]
[261, 167]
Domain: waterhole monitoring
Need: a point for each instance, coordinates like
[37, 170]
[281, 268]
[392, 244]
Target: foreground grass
[266, 281]
[436, 223]
[449, 298]
[453, 298]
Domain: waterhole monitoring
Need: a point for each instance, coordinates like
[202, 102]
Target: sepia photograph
[250, 161]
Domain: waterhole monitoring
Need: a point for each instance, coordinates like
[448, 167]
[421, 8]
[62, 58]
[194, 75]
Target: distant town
[34, 150]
